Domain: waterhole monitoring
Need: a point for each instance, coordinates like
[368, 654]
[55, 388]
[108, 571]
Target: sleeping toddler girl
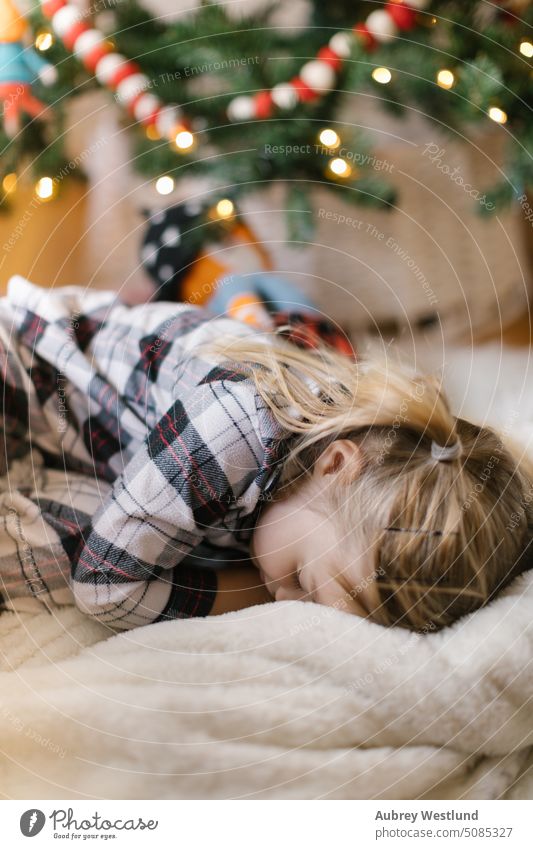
[348, 482]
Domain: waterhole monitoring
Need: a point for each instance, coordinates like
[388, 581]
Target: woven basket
[432, 262]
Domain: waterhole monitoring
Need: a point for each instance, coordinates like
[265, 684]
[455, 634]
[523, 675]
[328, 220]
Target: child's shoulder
[227, 403]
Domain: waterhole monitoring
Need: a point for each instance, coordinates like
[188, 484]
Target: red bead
[131, 105]
[303, 91]
[263, 104]
[125, 70]
[91, 59]
[74, 32]
[327, 55]
[50, 7]
[403, 17]
[369, 42]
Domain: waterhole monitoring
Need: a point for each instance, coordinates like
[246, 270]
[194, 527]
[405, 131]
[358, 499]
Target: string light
[184, 140]
[382, 75]
[339, 167]
[164, 185]
[497, 114]
[44, 40]
[152, 133]
[526, 49]
[424, 20]
[9, 183]
[45, 188]
[329, 138]
[225, 208]
[445, 78]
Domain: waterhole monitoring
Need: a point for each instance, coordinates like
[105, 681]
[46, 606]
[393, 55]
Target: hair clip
[446, 452]
[421, 531]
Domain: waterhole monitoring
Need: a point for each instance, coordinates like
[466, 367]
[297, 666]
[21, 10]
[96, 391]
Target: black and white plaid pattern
[44, 513]
[189, 446]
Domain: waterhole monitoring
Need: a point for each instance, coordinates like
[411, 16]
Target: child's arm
[195, 464]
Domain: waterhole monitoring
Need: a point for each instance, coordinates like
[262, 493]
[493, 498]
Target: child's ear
[341, 456]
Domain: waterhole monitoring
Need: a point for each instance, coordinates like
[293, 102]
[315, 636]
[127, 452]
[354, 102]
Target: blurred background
[377, 154]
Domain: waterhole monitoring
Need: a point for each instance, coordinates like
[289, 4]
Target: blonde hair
[443, 537]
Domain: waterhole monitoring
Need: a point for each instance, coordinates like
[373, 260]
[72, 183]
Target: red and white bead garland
[318, 76]
[122, 76]
[125, 78]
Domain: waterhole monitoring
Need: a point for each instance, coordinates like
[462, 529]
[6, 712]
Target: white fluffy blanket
[286, 700]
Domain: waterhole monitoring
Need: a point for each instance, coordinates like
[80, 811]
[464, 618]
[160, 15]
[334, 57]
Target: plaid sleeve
[198, 460]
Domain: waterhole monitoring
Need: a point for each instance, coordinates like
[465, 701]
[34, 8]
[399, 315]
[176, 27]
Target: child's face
[298, 555]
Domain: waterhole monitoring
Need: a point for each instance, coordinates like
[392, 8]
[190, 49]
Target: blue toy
[19, 67]
[253, 298]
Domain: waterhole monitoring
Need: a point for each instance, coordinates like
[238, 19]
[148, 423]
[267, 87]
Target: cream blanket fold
[285, 700]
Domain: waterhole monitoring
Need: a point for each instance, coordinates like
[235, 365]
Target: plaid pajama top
[189, 446]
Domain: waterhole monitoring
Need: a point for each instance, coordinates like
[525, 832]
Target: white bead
[167, 118]
[318, 75]
[381, 25]
[341, 44]
[284, 96]
[48, 74]
[145, 106]
[86, 42]
[418, 4]
[130, 87]
[241, 109]
[64, 19]
[108, 66]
